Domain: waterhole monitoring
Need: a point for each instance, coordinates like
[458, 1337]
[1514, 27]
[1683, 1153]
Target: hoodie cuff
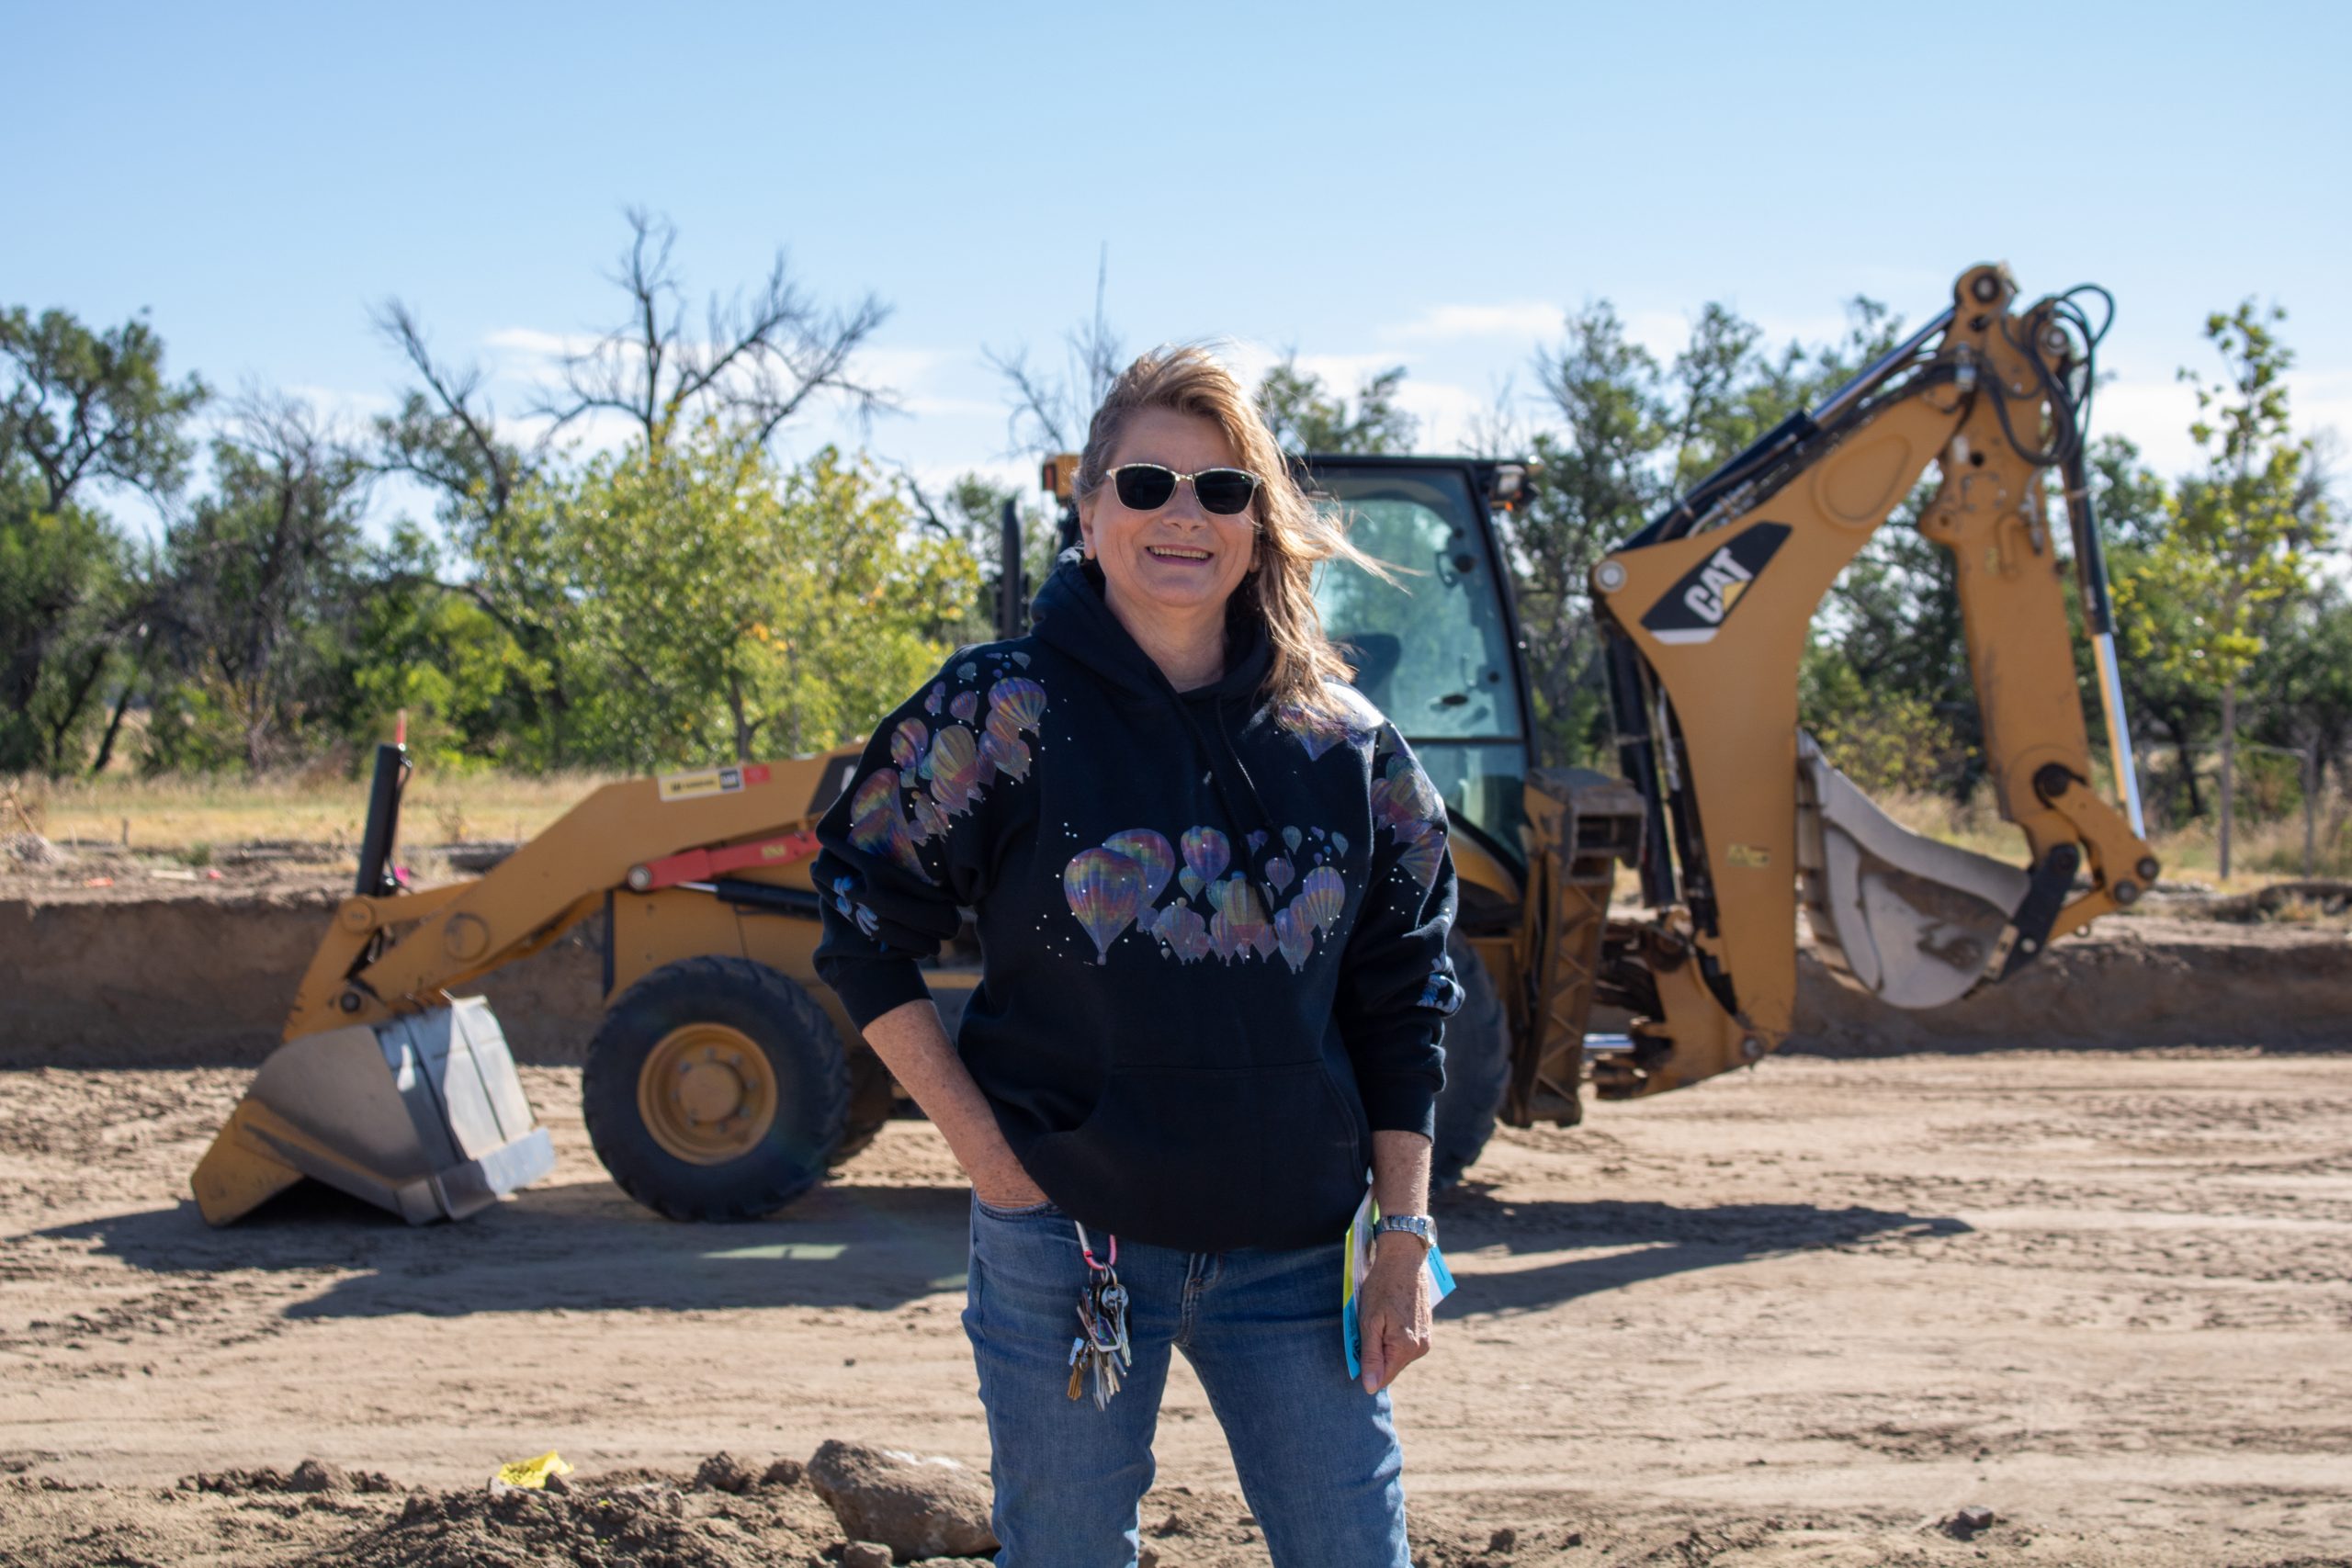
[1405, 1101]
[870, 987]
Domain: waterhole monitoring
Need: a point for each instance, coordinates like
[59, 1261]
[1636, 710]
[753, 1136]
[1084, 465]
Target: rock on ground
[916, 1506]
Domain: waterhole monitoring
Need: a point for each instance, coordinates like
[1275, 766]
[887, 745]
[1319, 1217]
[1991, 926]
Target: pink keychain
[1101, 1350]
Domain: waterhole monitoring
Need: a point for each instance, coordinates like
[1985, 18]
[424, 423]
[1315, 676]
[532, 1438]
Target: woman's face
[1179, 558]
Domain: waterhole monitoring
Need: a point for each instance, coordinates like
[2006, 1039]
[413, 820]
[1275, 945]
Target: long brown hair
[1294, 536]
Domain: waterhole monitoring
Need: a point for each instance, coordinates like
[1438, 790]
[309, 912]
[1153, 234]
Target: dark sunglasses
[1147, 487]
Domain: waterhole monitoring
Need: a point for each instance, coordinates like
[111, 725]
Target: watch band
[1419, 1226]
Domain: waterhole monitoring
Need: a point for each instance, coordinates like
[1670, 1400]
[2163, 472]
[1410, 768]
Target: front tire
[715, 1090]
[1477, 1069]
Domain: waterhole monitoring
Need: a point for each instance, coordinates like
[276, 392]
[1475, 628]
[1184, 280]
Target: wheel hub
[706, 1093]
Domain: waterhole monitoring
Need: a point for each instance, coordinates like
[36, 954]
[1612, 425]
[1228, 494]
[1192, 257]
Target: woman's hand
[1013, 1190]
[911, 1044]
[1393, 1313]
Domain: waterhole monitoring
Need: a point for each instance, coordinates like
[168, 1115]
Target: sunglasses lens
[1225, 491]
[1143, 488]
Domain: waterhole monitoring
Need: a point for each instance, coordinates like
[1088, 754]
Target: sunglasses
[1147, 487]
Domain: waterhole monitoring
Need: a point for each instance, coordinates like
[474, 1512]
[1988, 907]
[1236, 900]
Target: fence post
[2310, 806]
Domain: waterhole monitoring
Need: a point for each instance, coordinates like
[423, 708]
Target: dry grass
[180, 815]
[186, 813]
[2259, 851]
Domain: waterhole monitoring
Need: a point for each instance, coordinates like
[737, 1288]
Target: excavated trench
[203, 974]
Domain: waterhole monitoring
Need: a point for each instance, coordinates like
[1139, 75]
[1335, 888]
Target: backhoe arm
[1708, 612]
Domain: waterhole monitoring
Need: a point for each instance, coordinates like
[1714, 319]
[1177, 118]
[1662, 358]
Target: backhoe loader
[724, 1081]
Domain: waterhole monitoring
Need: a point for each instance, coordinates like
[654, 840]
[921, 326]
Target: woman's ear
[1086, 524]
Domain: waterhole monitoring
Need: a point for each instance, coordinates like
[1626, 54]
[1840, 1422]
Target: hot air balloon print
[929, 822]
[1257, 841]
[954, 768]
[867, 921]
[1421, 854]
[965, 705]
[1294, 935]
[1020, 699]
[1151, 854]
[1243, 917]
[1103, 888]
[1003, 750]
[907, 741]
[934, 697]
[1322, 894]
[1315, 730]
[1291, 837]
[1401, 795]
[1186, 934]
[879, 824]
[1206, 854]
[1279, 874]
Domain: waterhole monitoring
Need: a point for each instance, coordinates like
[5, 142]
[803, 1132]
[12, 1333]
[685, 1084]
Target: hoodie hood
[1072, 614]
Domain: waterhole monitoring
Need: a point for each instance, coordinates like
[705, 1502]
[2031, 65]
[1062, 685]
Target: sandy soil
[1803, 1315]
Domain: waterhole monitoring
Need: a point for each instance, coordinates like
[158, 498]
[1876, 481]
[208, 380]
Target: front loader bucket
[423, 1116]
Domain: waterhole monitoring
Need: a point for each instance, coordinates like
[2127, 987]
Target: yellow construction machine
[725, 1080]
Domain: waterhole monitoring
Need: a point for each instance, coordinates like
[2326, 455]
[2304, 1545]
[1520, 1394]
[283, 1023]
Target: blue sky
[1371, 185]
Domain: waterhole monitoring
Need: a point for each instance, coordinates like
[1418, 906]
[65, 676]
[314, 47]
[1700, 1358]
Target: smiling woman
[1212, 893]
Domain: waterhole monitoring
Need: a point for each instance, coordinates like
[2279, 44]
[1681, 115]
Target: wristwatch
[1419, 1226]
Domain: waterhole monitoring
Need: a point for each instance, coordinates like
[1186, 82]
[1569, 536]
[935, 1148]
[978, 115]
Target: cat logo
[1695, 608]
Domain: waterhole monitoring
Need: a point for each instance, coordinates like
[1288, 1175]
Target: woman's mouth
[1174, 552]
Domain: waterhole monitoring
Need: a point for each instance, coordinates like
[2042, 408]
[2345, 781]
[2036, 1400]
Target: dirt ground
[1803, 1315]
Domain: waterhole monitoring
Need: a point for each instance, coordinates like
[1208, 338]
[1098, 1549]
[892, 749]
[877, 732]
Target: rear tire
[872, 1097]
[794, 1136]
[1477, 1069]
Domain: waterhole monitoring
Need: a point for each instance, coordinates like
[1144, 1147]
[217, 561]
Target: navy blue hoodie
[1213, 937]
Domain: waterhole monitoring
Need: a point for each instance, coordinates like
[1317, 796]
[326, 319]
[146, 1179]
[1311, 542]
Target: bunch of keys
[1101, 1350]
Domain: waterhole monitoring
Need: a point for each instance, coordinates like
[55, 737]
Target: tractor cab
[1437, 650]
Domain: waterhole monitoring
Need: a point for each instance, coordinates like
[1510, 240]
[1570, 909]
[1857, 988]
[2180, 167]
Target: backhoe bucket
[423, 1116]
[1913, 922]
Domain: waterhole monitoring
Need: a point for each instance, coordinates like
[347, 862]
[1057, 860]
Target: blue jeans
[1316, 1455]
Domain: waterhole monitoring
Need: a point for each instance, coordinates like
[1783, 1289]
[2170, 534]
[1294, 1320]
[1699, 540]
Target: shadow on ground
[587, 1247]
[1625, 1242]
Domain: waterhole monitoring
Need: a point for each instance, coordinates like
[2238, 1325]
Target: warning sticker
[710, 781]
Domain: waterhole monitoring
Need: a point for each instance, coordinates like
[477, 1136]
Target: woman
[1212, 893]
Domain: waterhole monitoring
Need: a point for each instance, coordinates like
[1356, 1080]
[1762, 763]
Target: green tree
[1595, 477]
[2242, 531]
[81, 411]
[969, 509]
[1306, 415]
[263, 579]
[719, 606]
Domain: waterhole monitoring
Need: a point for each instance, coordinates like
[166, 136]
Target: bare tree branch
[1049, 413]
[450, 442]
[761, 359]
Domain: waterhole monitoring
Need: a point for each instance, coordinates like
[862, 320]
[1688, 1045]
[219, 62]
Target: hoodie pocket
[1211, 1158]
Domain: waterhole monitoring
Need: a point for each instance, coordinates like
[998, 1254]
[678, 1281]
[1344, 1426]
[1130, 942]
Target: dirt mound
[648, 1525]
[310, 1475]
[2133, 981]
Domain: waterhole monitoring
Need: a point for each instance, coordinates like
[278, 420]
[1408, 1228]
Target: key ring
[1086, 1248]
